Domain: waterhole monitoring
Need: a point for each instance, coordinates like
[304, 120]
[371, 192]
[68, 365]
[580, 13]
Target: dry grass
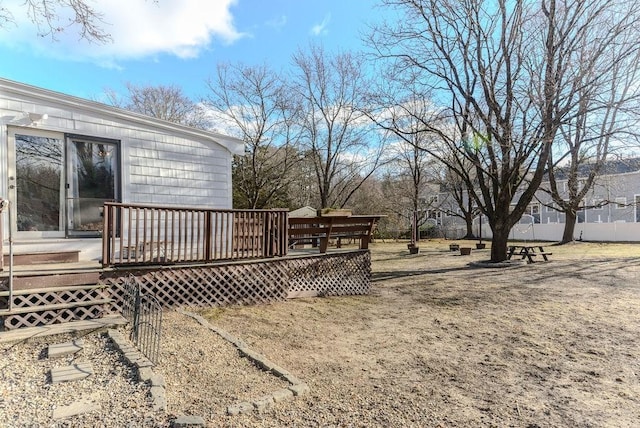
[438, 343]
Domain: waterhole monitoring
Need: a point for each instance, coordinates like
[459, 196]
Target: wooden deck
[184, 257]
[60, 293]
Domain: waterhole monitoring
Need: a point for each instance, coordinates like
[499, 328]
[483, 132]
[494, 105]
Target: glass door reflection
[39, 178]
[93, 175]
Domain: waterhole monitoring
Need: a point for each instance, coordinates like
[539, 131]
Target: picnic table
[529, 252]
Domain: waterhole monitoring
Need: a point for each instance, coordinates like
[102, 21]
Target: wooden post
[208, 235]
[1, 239]
[106, 235]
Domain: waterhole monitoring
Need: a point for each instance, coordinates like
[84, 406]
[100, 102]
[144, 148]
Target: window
[621, 203]
[597, 203]
[534, 211]
[637, 205]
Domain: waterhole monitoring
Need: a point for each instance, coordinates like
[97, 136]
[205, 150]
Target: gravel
[28, 398]
[204, 375]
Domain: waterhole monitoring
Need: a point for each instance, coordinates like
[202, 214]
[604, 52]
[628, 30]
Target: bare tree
[342, 144]
[254, 101]
[604, 120]
[166, 102]
[503, 76]
[53, 17]
[411, 184]
[463, 207]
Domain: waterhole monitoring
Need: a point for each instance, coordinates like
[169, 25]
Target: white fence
[622, 232]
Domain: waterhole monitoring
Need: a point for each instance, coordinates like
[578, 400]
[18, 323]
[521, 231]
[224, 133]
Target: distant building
[304, 212]
[609, 210]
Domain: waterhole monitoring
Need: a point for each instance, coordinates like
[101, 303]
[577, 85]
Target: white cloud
[139, 28]
[277, 23]
[321, 28]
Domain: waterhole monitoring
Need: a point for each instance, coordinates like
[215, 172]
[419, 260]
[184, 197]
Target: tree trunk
[569, 226]
[468, 219]
[499, 242]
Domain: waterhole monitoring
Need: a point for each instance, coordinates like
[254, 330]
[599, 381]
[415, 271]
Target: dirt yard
[438, 343]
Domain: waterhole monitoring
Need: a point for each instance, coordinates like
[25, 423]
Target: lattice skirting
[248, 283]
[337, 274]
[205, 286]
[76, 305]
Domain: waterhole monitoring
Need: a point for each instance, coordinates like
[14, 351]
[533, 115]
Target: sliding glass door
[38, 184]
[58, 184]
[93, 171]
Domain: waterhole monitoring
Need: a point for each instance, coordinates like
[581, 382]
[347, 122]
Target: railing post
[1, 239]
[284, 233]
[208, 235]
[269, 236]
[106, 236]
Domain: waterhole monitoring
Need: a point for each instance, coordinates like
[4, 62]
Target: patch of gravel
[28, 398]
[204, 375]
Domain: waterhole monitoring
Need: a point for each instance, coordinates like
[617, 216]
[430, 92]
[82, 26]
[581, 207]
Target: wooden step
[5, 293]
[47, 280]
[48, 305]
[63, 328]
[53, 307]
[43, 257]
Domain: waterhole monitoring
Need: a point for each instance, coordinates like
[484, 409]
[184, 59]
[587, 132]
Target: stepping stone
[188, 421]
[67, 348]
[73, 372]
[74, 409]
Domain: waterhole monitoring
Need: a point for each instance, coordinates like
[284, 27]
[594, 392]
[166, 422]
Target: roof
[234, 145]
[303, 212]
[610, 167]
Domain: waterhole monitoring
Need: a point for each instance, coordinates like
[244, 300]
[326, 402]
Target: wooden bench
[528, 252]
[544, 255]
[319, 230]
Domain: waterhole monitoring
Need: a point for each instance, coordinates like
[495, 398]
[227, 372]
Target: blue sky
[177, 41]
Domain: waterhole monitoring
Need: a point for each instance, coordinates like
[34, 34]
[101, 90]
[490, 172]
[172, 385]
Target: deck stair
[53, 294]
[43, 257]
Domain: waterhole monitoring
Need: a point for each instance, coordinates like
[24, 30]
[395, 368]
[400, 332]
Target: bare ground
[438, 343]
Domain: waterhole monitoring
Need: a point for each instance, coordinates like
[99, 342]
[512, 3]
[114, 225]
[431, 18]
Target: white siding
[157, 166]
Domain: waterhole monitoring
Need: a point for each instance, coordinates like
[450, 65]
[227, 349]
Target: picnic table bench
[529, 252]
[318, 230]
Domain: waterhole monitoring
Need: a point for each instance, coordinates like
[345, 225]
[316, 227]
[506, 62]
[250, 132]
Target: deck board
[53, 329]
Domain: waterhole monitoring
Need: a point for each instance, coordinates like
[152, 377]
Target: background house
[610, 209]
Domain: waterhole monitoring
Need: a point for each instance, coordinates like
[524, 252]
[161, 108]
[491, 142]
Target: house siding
[609, 223]
[159, 164]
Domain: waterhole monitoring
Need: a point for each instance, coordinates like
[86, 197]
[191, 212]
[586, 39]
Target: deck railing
[147, 234]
